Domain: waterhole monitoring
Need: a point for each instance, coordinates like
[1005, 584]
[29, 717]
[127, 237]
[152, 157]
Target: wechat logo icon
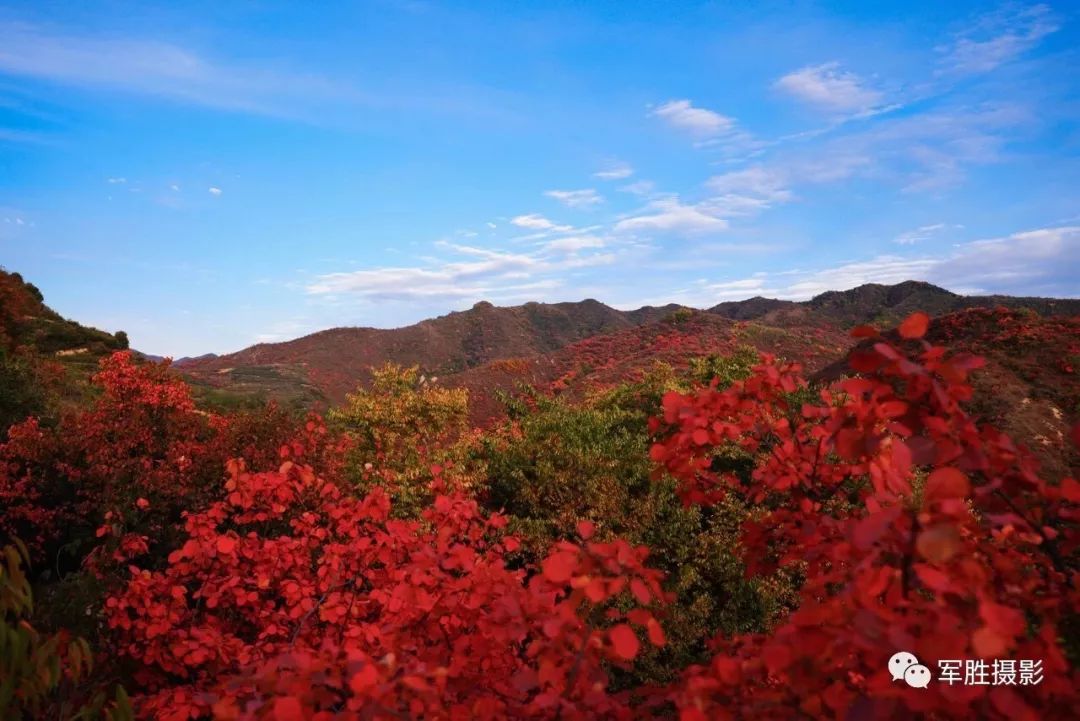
[903, 666]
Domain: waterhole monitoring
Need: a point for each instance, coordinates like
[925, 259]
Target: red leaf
[624, 642]
[939, 543]
[777, 657]
[640, 591]
[364, 679]
[701, 436]
[932, 577]
[1008, 621]
[946, 483]
[560, 566]
[656, 633]
[226, 544]
[988, 643]
[288, 708]
[914, 326]
[864, 331]
[867, 531]
[586, 529]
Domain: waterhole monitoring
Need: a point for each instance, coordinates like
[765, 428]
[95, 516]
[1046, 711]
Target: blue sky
[207, 175]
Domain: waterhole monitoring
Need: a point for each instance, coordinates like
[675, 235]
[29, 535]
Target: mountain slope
[1030, 385]
[328, 364]
[886, 305]
[336, 360]
[607, 360]
[45, 359]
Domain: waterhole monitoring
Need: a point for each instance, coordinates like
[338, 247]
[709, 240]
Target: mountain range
[324, 366]
[1030, 386]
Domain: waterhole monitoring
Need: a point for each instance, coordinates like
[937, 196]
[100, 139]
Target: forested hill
[324, 366]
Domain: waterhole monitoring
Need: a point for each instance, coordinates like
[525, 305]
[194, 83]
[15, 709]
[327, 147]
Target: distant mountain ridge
[335, 360]
[1030, 385]
[888, 304]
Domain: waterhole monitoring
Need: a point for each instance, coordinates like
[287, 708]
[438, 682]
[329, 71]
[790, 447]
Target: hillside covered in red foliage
[688, 517]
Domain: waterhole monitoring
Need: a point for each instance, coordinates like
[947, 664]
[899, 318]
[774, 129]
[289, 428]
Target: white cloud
[477, 273]
[885, 269]
[735, 289]
[924, 232]
[1044, 261]
[116, 181]
[585, 198]
[535, 221]
[747, 191]
[158, 68]
[700, 122]
[450, 280]
[214, 191]
[920, 152]
[997, 38]
[668, 215]
[615, 171]
[639, 187]
[831, 89]
[174, 187]
[574, 243]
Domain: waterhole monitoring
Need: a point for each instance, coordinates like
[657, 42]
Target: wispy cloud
[13, 222]
[699, 122]
[639, 187]
[996, 38]
[574, 243]
[669, 215]
[617, 170]
[747, 191]
[214, 191]
[924, 232]
[586, 198]
[1044, 261]
[476, 273]
[535, 221]
[709, 129]
[158, 68]
[831, 89]
[12, 135]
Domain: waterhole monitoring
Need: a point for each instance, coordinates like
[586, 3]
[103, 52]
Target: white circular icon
[899, 663]
[917, 676]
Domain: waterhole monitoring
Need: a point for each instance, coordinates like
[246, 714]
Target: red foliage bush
[275, 591]
[977, 560]
[292, 597]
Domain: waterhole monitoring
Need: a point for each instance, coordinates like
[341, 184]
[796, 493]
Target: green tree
[41, 675]
[400, 428]
[555, 463]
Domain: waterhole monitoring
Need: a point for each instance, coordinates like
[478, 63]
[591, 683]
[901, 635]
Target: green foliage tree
[41, 675]
[724, 370]
[555, 463]
[399, 428]
[21, 393]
